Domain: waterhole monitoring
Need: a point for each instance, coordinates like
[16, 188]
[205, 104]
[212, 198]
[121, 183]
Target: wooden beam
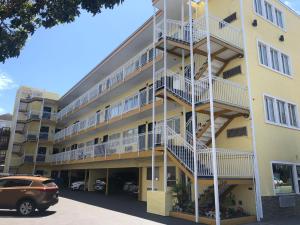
[180, 166]
[220, 130]
[203, 53]
[222, 68]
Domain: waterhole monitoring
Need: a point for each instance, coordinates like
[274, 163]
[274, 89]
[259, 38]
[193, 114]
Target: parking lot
[76, 208]
[91, 208]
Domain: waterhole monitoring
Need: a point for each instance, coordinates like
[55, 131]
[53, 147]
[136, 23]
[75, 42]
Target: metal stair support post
[214, 153]
[193, 113]
[165, 96]
[153, 102]
[259, 210]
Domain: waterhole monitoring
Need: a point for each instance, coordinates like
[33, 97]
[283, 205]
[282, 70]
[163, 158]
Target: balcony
[136, 103]
[129, 70]
[49, 116]
[28, 159]
[125, 147]
[2, 159]
[226, 94]
[4, 138]
[31, 96]
[17, 149]
[40, 158]
[32, 136]
[226, 40]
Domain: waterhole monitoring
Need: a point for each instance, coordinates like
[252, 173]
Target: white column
[165, 96]
[182, 34]
[259, 210]
[212, 118]
[153, 101]
[193, 114]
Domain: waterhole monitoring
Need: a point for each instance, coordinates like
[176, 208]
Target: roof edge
[113, 53]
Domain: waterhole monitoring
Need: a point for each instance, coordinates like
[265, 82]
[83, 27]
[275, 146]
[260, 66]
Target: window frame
[269, 59]
[295, 177]
[276, 112]
[274, 15]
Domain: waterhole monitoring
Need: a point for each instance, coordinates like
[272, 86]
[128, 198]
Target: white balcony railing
[135, 101]
[133, 143]
[231, 163]
[218, 29]
[110, 82]
[30, 94]
[224, 91]
[49, 116]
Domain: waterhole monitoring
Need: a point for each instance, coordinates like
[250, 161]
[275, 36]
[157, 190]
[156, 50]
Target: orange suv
[27, 193]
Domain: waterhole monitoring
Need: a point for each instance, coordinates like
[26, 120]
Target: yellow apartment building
[202, 98]
[5, 126]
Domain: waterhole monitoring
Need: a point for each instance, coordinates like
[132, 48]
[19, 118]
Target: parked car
[27, 193]
[131, 187]
[78, 186]
[100, 185]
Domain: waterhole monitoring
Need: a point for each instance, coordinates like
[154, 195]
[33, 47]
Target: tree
[19, 19]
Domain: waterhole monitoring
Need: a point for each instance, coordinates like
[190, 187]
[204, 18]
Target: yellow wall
[274, 143]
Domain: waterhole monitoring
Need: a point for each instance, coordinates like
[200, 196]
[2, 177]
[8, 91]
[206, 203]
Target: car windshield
[49, 183]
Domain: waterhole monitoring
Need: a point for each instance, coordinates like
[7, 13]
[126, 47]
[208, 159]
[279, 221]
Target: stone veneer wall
[272, 209]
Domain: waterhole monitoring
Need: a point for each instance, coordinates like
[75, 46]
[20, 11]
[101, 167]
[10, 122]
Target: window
[285, 64]
[274, 59]
[156, 173]
[283, 178]
[258, 7]
[269, 12]
[263, 55]
[293, 115]
[171, 176]
[279, 18]
[237, 132]
[281, 112]
[269, 103]
[17, 183]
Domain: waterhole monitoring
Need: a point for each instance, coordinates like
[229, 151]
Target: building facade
[214, 111]
[5, 126]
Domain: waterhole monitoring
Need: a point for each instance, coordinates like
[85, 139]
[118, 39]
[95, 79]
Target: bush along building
[196, 113]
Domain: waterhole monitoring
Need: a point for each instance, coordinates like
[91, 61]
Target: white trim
[277, 123]
[280, 52]
[295, 177]
[264, 17]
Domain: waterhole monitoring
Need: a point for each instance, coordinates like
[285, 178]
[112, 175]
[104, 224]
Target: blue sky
[57, 58]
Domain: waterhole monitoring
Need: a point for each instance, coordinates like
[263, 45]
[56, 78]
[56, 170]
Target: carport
[119, 181]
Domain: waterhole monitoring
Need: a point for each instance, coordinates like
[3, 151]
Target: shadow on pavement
[121, 203]
[14, 214]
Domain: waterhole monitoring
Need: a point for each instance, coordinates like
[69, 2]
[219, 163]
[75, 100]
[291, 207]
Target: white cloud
[6, 82]
[2, 111]
[288, 3]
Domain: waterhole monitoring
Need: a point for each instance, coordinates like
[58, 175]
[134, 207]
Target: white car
[78, 185]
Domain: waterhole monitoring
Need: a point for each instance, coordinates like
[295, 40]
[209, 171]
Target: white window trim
[295, 177]
[291, 76]
[273, 12]
[276, 113]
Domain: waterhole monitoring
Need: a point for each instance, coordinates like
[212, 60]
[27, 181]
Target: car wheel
[26, 207]
[81, 188]
[43, 209]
